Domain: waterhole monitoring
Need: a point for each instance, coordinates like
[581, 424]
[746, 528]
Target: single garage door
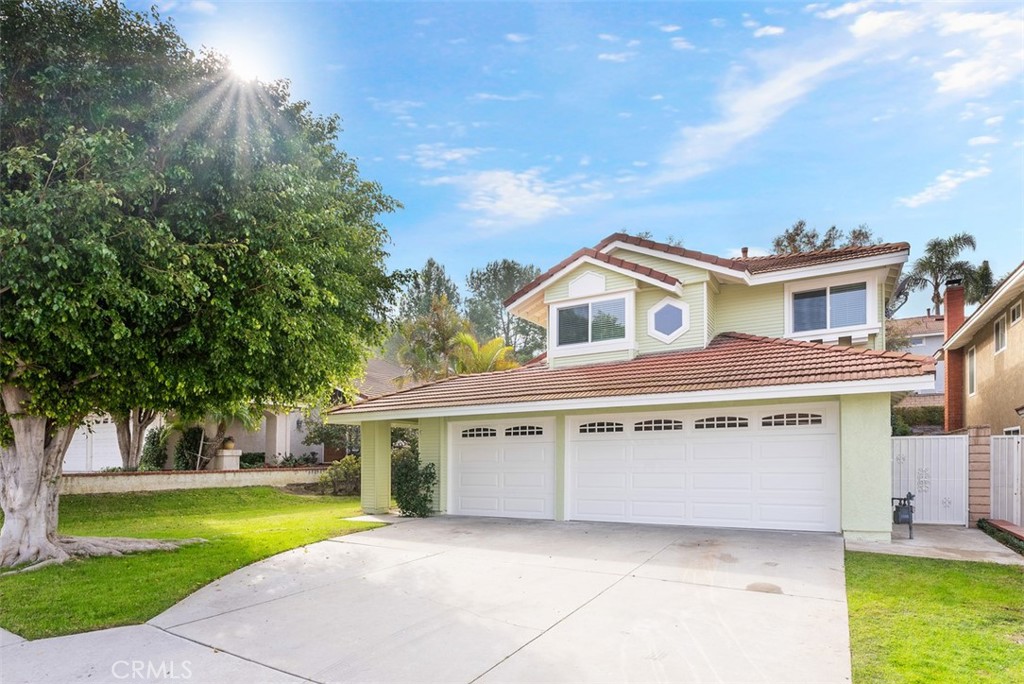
[764, 468]
[503, 468]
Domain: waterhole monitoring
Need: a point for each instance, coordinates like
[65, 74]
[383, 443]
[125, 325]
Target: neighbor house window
[970, 370]
[836, 306]
[916, 341]
[592, 322]
[999, 334]
[1011, 431]
[1015, 312]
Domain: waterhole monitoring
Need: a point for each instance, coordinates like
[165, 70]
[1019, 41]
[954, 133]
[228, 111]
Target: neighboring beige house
[985, 359]
[677, 388]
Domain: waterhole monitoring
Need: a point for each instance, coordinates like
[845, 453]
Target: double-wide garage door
[773, 467]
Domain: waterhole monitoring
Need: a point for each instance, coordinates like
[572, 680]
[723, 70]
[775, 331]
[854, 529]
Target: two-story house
[677, 388]
[985, 358]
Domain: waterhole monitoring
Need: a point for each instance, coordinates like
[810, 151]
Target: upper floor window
[1015, 312]
[999, 334]
[835, 306]
[668, 319]
[592, 322]
[916, 341]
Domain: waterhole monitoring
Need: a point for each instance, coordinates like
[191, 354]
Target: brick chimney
[744, 251]
[955, 393]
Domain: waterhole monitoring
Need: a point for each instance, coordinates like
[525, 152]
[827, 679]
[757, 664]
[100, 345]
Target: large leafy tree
[801, 238]
[940, 262]
[172, 238]
[430, 342]
[488, 288]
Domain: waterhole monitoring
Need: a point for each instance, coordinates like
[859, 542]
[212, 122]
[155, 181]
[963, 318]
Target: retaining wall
[159, 480]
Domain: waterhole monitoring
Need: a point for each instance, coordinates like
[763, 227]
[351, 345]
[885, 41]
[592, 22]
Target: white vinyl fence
[1007, 479]
[934, 470]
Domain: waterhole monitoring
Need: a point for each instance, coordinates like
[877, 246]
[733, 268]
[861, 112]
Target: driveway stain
[765, 588]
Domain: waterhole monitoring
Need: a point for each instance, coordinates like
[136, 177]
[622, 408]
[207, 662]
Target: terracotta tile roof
[752, 265]
[781, 262]
[922, 325]
[732, 360]
[763, 264]
[599, 256]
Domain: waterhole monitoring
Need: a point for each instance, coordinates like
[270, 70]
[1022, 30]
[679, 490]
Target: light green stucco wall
[580, 359]
[758, 310]
[866, 448]
[433, 449]
[375, 471]
[693, 295]
[612, 281]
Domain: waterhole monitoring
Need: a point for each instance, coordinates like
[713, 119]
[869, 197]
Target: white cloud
[516, 37]
[585, 160]
[202, 6]
[680, 43]
[955, 53]
[401, 110]
[608, 37]
[633, 43]
[655, 98]
[944, 186]
[718, 22]
[504, 199]
[439, 155]
[993, 120]
[995, 57]
[843, 10]
[746, 112]
[670, 28]
[886, 25]
[769, 31]
[616, 56]
[982, 140]
[750, 24]
[496, 97]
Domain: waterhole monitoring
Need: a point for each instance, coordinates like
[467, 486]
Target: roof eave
[1008, 290]
[358, 415]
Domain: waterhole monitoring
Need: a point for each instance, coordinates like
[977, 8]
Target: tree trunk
[30, 472]
[131, 433]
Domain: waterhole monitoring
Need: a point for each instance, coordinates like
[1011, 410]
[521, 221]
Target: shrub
[412, 484]
[922, 415]
[112, 469]
[154, 450]
[251, 459]
[186, 451]
[899, 426]
[341, 477]
[293, 461]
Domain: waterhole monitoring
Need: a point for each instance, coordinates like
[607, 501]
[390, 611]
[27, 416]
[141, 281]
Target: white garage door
[503, 468]
[93, 447]
[764, 467]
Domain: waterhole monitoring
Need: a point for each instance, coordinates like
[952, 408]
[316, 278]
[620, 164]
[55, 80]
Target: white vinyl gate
[934, 469]
[1007, 479]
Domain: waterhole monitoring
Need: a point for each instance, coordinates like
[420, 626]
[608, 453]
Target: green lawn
[924, 620]
[241, 526]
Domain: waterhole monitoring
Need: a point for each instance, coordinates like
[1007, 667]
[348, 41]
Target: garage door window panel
[720, 423]
[524, 431]
[658, 425]
[791, 420]
[479, 432]
[599, 427]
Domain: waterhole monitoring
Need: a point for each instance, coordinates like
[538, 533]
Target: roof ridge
[833, 250]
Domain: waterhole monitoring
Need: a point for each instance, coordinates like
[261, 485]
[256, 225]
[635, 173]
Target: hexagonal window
[668, 319]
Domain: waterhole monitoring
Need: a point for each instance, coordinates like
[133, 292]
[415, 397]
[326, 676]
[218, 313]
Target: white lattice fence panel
[934, 469]
[1007, 477]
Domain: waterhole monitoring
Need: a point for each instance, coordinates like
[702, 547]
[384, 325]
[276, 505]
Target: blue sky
[529, 130]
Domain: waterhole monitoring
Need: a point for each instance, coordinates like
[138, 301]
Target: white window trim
[683, 329]
[857, 332]
[1012, 431]
[1019, 307]
[971, 363]
[995, 336]
[627, 343]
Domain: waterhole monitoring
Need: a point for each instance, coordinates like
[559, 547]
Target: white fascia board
[1007, 293]
[814, 389]
[894, 259]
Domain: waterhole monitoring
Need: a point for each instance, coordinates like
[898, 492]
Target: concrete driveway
[452, 599]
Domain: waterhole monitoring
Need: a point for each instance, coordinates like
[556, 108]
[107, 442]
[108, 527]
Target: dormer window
[600, 321]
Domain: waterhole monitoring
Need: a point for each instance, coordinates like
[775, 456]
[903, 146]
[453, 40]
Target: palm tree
[473, 357]
[939, 263]
[430, 341]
